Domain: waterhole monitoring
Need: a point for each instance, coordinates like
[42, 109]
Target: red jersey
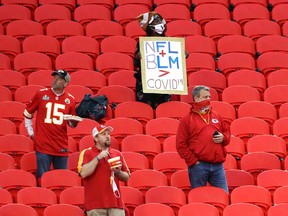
[194, 138]
[97, 188]
[50, 128]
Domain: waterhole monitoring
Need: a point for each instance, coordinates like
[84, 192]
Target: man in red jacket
[200, 141]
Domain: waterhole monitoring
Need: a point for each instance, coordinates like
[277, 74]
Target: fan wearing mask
[201, 139]
[155, 26]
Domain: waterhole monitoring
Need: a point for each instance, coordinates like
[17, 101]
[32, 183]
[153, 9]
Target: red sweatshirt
[194, 138]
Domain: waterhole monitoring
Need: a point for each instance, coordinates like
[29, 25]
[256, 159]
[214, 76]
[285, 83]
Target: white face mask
[159, 28]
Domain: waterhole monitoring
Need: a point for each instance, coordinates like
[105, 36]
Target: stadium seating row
[146, 186]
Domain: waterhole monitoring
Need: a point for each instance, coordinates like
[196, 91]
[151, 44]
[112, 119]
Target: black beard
[107, 144]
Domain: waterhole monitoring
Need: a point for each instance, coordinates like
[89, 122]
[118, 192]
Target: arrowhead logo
[163, 73]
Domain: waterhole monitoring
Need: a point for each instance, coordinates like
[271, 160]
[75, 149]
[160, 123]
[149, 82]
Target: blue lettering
[158, 63]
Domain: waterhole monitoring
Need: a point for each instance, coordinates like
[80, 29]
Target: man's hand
[103, 154]
[218, 138]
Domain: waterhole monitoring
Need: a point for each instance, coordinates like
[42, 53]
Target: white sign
[163, 65]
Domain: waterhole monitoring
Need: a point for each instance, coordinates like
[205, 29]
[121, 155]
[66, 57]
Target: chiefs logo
[67, 101]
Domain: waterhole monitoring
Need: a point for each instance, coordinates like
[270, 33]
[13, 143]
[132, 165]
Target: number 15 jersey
[50, 129]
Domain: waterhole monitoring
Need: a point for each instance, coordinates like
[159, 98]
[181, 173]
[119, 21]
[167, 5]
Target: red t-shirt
[50, 129]
[97, 188]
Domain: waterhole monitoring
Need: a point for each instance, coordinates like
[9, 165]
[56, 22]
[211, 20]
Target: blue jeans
[204, 172]
[44, 162]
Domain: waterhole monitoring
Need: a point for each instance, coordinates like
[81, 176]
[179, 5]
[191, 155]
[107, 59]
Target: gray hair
[197, 89]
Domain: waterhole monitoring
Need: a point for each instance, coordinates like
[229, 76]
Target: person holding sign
[154, 25]
[101, 168]
[201, 139]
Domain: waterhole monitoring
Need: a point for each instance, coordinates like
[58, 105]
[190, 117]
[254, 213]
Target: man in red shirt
[55, 109]
[200, 141]
[101, 168]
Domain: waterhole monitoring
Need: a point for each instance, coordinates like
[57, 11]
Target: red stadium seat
[180, 179]
[268, 143]
[73, 196]
[168, 163]
[123, 127]
[272, 179]
[237, 178]
[48, 13]
[61, 29]
[60, 179]
[25, 93]
[278, 77]
[88, 78]
[135, 161]
[29, 62]
[107, 63]
[143, 144]
[7, 127]
[230, 62]
[6, 162]
[123, 78]
[169, 195]
[239, 94]
[215, 29]
[244, 13]
[274, 95]
[153, 209]
[119, 44]
[78, 91]
[16, 145]
[247, 209]
[255, 29]
[161, 128]
[12, 110]
[62, 210]
[132, 197]
[5, 197]
[257, 162]
[10, 46]
[37, 197]
[183, 28]
[70, 4]
[101, 29]
[85, 14]
[145, 179]
[216, 80]
[42, 43]
[205, 13]
[226, 110]
[28, 162]
[211, 195]
[21, 29]
[252, 194]
[172, 12]
[235, 44]
[73, 61]
[82, 44]
[172, 109]
[117, 94]
[41, 77]
[11, 12]
[248, 77]
[14, 180]
[14, 209]
[259, 109]
[127, 13]
[248, 127]
[198, 209]
[200, 44]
